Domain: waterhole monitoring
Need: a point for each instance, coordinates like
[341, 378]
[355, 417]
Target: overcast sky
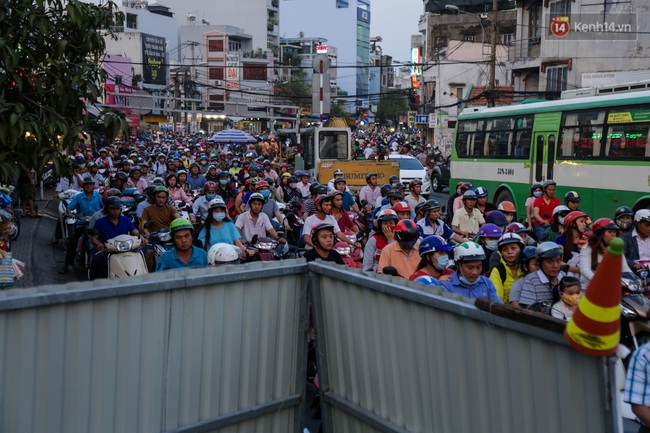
[395, 21]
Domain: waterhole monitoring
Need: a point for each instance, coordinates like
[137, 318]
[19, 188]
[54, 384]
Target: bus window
[582, 133]
[333, 145]
[551, 157]
[522, 143]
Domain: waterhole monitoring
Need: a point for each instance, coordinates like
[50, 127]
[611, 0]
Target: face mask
[561, 220]
[293, 185]
[624, 224]
[537, 194]
[571, 300]
[223, 182]
[266, 193]
[209, 196]
[467, 282]
[492, 245]
[458, 191]
[443, 262]
[218, 216]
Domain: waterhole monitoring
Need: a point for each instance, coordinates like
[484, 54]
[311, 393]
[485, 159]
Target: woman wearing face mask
[219, 227]
[535, 191]
[434, 259]
[557, 226]
[488, 235]
[467, 280]
[604, 230]
[509, 210]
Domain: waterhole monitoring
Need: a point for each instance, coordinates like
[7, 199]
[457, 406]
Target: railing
[523, 49]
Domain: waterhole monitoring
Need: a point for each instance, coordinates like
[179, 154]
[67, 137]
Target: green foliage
[297, 90]
[393, 105]
[338, 110]
[50, 62]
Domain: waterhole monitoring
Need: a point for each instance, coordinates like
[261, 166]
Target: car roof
[398, 156]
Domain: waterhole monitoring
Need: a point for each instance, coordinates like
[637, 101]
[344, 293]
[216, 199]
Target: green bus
[596, 145]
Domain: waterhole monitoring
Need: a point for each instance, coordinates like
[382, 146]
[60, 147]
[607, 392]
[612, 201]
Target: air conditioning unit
[218, 83]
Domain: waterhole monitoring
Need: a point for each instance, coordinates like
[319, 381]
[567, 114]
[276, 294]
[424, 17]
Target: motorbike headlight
[165, 236]
[344, 251]
[124, 245]
[266, 246]
[627, 312]
[353, 238]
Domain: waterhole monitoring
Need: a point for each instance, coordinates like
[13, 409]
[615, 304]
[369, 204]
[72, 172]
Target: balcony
[525, 49]
[273, 5]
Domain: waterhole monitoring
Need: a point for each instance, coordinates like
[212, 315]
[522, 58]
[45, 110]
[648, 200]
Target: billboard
[232, 72]
[416, 59]
[154, 69]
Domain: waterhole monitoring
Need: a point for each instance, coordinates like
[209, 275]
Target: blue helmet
[432, 244]
[481, 191]
[497, 217]
[427, 280]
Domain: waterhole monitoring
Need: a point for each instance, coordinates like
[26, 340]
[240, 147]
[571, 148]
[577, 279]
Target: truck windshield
[333, 145]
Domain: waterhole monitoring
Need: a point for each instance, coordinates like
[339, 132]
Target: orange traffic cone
[595, 327]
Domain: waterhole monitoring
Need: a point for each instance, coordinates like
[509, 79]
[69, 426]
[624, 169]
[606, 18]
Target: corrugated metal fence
[191, 351]
[223, 349]
[394, 359]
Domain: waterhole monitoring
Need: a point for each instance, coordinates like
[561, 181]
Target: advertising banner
[232, 72]
[154, 70]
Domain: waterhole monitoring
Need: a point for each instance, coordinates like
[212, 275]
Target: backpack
[231, 207]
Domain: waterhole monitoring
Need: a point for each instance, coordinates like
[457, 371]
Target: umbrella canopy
[232, 136]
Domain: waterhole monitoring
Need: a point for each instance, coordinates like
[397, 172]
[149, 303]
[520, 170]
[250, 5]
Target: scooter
[124, 257]
[264, 248]
[68, 224]
[345, 251]
[635, 312]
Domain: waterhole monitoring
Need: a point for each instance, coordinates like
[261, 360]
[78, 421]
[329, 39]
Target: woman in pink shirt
[175, 191]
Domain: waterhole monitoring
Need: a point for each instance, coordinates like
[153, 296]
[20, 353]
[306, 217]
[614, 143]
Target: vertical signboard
[232, 72]
[154, 70]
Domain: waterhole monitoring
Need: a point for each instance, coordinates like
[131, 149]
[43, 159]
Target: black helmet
[293, 179]
[222, 174]
[148, 191]
[534, 186]
[399, 185]
[431, 204]
[113, 203]
[320, 189]
[339, 179]
[394, 193]
[393, 179]
[369, 175]
[623, 211]
[385, 188]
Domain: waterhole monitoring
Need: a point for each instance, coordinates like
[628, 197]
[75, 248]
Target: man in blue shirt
[348, 199]
[108, 227]
[468, 280]
[195, 179]
[85, 203]
[637, 386]
[431, 224]
[184, 254]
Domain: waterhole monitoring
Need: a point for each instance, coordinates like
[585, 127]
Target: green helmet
[160, 189]
[180, 224]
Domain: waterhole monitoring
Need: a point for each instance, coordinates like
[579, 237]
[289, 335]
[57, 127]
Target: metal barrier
[224, 349]
[186, 351]
[394, 358]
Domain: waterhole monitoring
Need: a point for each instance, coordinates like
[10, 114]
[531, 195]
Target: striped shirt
[637, 382]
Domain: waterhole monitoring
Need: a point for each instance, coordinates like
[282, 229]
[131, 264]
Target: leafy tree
[392, 106]
[50, 62]
[296, 90]
[338, 110]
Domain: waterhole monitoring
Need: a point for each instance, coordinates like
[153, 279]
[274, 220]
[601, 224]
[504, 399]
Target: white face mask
[218, 216]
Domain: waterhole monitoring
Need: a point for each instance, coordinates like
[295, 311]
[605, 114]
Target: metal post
[493, 52]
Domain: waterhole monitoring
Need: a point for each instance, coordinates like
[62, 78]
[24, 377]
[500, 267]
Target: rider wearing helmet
[403, 210]
[506, 270]
[323, 204]
[522, 231]
[604, 231]
[402, 254]
[637, 240]
[498, 218]
[572, 200]
[224, 188]
[575, 226]
[386, 222]
[349, 204]
[528, 263]
[184, 254]
[371, 192]
[413, 198]
[393, 180]
[270, 208]
[509, 210]
[255, 222]
[488, 237]
[315, 189]
[535, 191]
[543, 207]
[159, 212]
[467, 219]
[322, 238]
[219, 228]
[458, 201]
[200, 207]
[338, 173]
[482, 203]
[434, 259]
[195, 179]
[137, 180]
[291, 192]
[148, 201]
[543, 285]
[623, 218]
[211, 173]
[467, 279]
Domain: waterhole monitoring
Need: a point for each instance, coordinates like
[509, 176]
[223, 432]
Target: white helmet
[642, 215]
[468, 251]
[222, 253]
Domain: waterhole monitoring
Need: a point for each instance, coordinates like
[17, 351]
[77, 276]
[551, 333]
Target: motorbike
[265, 249]
[83, 255]
[346, 252]
[68, 224]
[635, 312]
[296, 223]
[124, 257]
[130, 200]
[48, 178]
[9, 220]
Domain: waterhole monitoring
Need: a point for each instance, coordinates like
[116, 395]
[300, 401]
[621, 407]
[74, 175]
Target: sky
[395, 21]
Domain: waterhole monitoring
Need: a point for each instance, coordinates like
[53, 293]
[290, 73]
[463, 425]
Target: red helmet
[572, 216]
[210, 186]
[401, 206]
[516, 228]
[465, 186]
[319, 200]
[603, 224]
[407, 233]
[261, 184]
[414, 182]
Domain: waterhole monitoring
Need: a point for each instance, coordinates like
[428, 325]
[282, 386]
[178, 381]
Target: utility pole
[193, 76]
[493, 52]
